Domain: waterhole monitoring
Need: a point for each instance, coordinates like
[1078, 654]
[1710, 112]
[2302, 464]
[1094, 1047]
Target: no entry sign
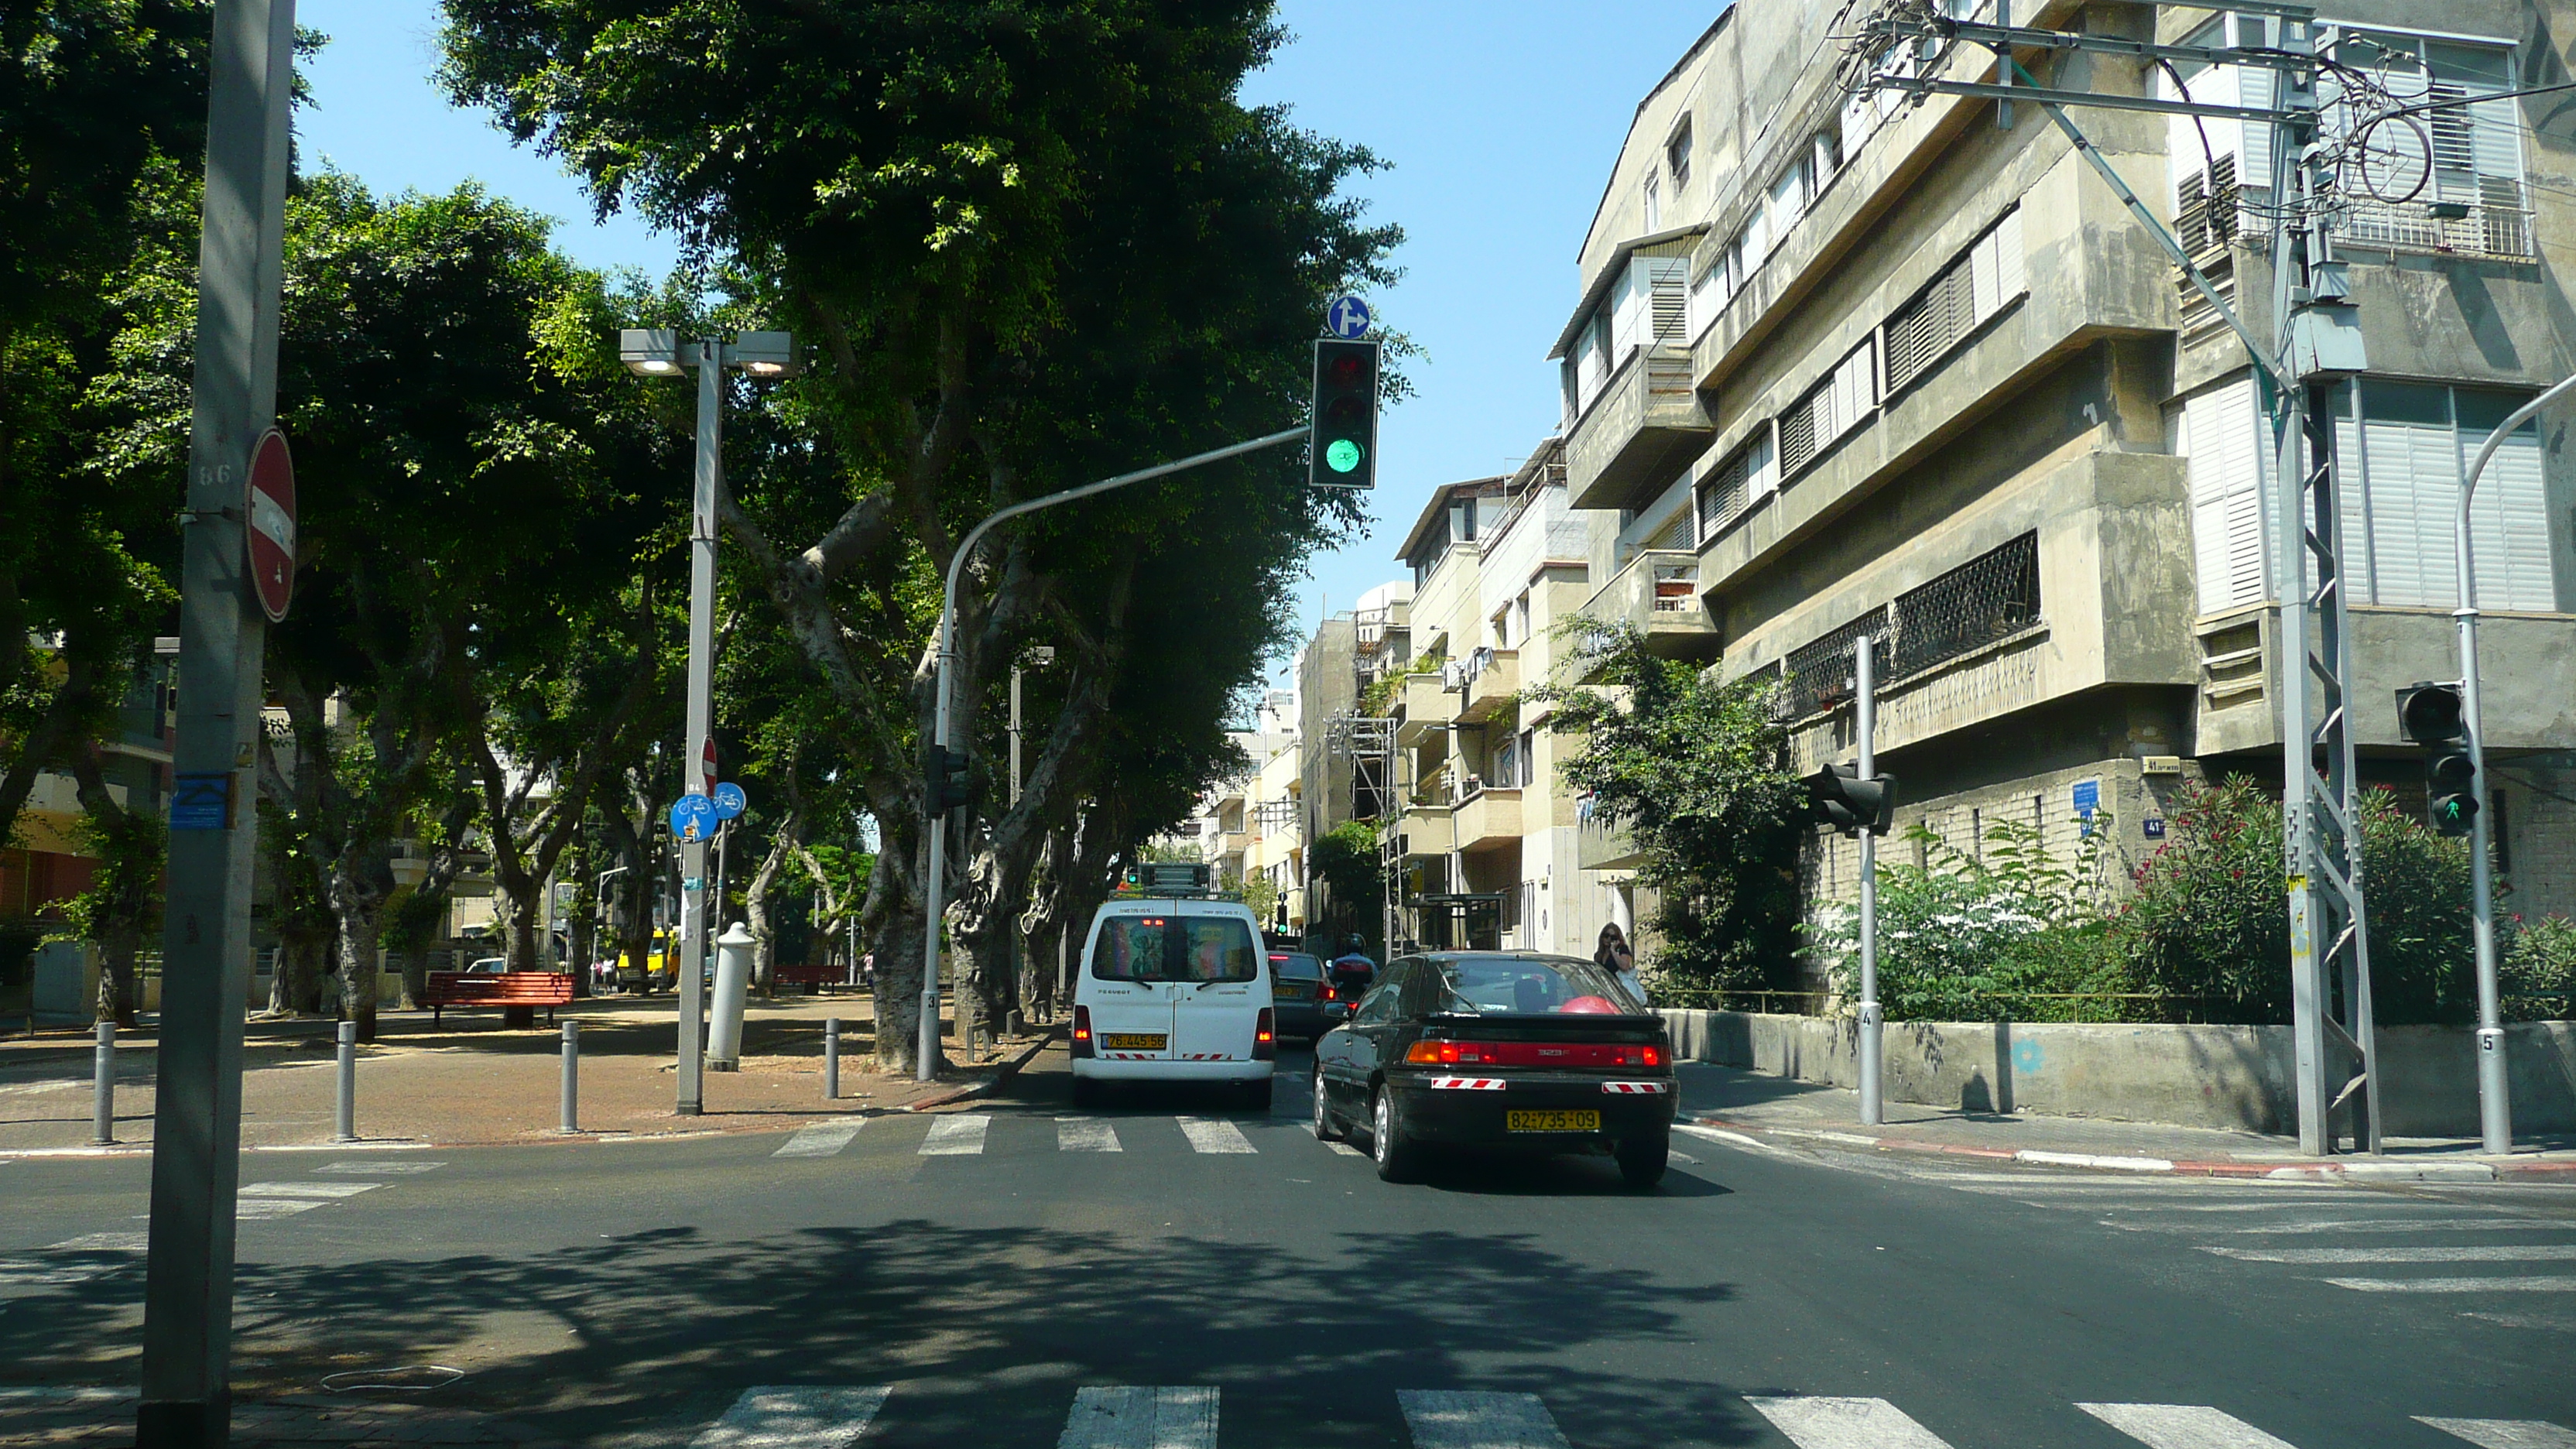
[271, 516]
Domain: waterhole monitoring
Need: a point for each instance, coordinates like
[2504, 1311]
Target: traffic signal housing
[1342, 451]
[950, 780]
[1839, 797]
[2435, 717]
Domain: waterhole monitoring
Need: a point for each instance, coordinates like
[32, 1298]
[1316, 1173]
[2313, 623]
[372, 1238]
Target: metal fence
[1991, 597]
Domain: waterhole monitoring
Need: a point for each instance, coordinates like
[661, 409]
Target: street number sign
[1347, 317]
[729, 800]
[270, 513]
[693, 817]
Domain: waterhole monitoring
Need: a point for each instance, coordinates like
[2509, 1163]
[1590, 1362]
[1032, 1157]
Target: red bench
[517, 993]
[812, 978]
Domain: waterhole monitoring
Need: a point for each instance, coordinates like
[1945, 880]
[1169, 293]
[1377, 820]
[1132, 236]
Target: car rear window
[1175, 948]
[1296, 966]
[1502, 984]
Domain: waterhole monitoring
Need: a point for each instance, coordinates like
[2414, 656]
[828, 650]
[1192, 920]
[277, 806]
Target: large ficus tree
[1030, 243]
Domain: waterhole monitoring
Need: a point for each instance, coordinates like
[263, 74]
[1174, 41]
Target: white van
[1174, 989]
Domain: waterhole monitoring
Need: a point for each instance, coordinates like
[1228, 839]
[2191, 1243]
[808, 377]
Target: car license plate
[1291, 991]
[1133, 1041]
[1583, 1120]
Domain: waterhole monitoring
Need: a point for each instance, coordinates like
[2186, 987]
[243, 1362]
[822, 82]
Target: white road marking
[103, 1243]
[794, 1416]
[360, 1167]
[2462, 1253]
[317, 1190]
[269, 1209]
[2182, 1426]
[1345, 1149]
[1815, 1422]
[2505, 1433]
[1085, 1134]
[2457, 1285]
[1214, 1134]
[2094, 1160]
[1446, 1419]
[2354, 1225]
[2126, 1184]
[22, 1273]
[1731, 1139]
[820, 1139]
[1130, 1417]
[955, 1136]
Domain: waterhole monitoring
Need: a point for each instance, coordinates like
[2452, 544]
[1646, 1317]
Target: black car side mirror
[1337, 1012]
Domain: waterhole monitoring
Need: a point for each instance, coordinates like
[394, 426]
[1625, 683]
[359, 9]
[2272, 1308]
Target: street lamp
[659, 352]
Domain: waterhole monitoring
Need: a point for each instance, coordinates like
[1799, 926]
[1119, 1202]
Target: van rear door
[1129, 990]
[1224, 984]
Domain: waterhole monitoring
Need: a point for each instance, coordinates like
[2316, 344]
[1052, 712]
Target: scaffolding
[1368, 742]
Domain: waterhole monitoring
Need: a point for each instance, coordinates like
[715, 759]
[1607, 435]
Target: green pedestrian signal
[2435, 716]
[1344, 427]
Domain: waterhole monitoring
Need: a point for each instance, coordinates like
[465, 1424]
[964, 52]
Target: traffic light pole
[1873, 1104]
[2495, 1103]
[695, 926]
[926, 1067]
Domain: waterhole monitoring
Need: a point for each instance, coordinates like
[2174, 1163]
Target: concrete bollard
[348, 1094]
[103, 1083]
[831, 1059]
[571, 1078]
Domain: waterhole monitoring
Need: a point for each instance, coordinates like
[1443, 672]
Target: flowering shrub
[2538, 973]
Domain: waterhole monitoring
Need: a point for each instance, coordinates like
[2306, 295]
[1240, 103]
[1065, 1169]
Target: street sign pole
[695, 770]
[1873, 1106]
[196, 1115]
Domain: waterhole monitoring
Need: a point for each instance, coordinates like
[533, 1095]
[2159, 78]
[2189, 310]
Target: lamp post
[599, 918]
[658, 352]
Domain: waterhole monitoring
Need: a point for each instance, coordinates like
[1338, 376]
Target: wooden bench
[517, 993]
[812, 978]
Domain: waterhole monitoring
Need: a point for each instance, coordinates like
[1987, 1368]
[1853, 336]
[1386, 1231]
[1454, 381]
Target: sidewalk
[1802, 1113]
[468, 1080]
[104, 1418]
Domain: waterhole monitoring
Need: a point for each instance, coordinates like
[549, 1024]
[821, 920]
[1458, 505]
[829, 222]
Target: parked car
[1519, 1051]
[1174, 989]
[1298, 987]
[489, 966]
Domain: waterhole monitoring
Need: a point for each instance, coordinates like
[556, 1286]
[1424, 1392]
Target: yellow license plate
[1133, 1041]
[1583, 1120]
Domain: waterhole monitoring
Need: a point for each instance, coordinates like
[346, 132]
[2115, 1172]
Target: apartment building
[1847, 365]
[1251, 826]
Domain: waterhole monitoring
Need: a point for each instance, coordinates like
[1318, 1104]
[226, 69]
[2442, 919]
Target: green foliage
[1693, 771]
[1345, 860]
[125, 887]
[2538, 973]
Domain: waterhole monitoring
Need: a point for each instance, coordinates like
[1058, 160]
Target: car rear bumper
[1167, 1070]
[1302, 1019]
[1472, 1115]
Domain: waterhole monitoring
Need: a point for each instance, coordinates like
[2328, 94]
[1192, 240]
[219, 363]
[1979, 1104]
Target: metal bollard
[571, 1077]
[104, 1082]
[831, 1059]
[348, 1104]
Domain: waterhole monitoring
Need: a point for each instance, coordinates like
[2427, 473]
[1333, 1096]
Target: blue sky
[1500, 118]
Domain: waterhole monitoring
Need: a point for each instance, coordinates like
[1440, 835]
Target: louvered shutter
[2509, 518]
[1662, 279]
[2412, 463]
[2223, 442]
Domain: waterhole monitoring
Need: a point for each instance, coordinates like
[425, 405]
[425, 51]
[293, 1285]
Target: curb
[988, 1085]
[2480, 1170]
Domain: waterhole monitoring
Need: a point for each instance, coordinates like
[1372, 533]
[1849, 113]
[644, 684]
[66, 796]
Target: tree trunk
[297, 990]
[783, 838]
[894, 909]
[116, 987]
[355, 905]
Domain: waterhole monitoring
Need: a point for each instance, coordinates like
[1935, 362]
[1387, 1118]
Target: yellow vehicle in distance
[661, 968]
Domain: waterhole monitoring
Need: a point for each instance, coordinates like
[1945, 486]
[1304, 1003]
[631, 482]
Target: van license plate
[1133, 1041]
[1585, 1120]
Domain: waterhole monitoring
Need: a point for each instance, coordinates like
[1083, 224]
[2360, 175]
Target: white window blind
[1745, 478]
[1973, 288]
[1666, 316]
[2223, 447]
[1833, 407]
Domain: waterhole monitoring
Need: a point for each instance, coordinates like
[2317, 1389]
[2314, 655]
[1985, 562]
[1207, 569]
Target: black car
[1501, 1049]
[1298, 990]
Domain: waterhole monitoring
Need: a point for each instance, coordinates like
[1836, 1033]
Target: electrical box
[2325, 341]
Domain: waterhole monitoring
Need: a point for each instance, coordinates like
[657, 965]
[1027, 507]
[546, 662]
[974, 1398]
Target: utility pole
[1873, 1103]
[700, 742]
[196, 1161]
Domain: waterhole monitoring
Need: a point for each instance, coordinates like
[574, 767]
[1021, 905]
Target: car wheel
[1641, 1160]
[1328, 1128]
[1399, 1159]
[1086, 1092]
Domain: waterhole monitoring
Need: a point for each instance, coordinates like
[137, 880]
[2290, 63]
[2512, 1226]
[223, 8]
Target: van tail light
[1265, 1036]
[1082, 1031]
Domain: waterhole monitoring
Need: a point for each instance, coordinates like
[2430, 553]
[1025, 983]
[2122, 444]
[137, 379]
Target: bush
[2538, 973]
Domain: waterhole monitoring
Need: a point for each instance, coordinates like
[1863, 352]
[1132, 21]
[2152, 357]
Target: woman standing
[1614, 956]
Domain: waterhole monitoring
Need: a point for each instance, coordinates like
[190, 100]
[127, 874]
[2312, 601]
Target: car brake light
[1653, 1057]
[1265, 1035]
[1433, 1053]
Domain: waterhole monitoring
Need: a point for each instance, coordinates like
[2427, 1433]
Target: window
[2475, 165]
[1504, 770]
[1833, 407]
[1529, 758]
[1175, 948]
[1990, 597]
[1677, 154]
[1820, 674]
[1490, 985]
[1654, 203]
[1972, 289]
[1744, 479]
[1784, 203]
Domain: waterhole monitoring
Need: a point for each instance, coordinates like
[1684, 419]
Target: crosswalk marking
[1085, 1134]
[820, 1139]
[362, 1168]
[2455, 1253]
[2182, 1426]
[320, 1191]
[794, 1416]
[2505, 1433]
[1131, 1417]
[955, 1136]
[1345, 1149]
[269, 1209]
[1451, 1419]
[1214, 1134]
[2458, 1285]
[103, 1243]
[1817, 1422]
[2351, 1225]
[26, 1273]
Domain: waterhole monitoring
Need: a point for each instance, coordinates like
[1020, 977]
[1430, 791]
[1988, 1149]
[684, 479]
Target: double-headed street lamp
[659, 352]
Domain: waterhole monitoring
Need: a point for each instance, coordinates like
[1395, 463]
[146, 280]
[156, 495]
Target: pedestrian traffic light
[1839, 797]
[2433, 716]
[1342, 450]
[950, 784]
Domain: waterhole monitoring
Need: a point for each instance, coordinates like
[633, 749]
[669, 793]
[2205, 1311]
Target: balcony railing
[1493, 682]
[1657, 594]
[1643, 430]
[1488, 818]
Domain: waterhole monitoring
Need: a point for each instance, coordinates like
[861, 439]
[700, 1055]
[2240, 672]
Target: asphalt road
[1164, 1274]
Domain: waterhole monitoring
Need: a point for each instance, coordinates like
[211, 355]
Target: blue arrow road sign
[729, 800]
[692, 817]
[1347, 317]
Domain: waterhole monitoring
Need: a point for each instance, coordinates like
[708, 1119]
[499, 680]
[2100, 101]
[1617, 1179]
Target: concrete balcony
[1604, 847]
[2525, 661]
[1644, 429]
[1658, 595]
[1488, 820]
[1424, 706]
[1495, 686]
[1427, 830]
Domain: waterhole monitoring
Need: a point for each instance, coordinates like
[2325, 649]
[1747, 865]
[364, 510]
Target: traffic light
[1839, 797]
[2433, 716]
[1342, 450]
[949, 783]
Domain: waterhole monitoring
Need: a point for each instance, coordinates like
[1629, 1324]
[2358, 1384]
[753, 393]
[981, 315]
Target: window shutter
[2011, 270]
[1668, 300]
[2223, 441]
[2509, 518]
[2411, 461]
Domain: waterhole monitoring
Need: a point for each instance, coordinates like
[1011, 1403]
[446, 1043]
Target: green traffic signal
[1344, 427]
[1341, 455]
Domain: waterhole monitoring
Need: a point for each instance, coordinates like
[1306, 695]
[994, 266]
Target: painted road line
[1444, 1419]
[2182, 1426]
[360, 1167]
[2457, 1285]
[1731, 1139]
[1345, 1149]
[316, 1190]
[23, 1273]
[269, 1209]
[102, 1243]
[1130, 1417]
[2461, 1253]
[820, 1139]
[2505, 1433]
[955, 1136]
[794, 1416]
[2352, 1225]
[1214, 1134]
[1815, 1422]
[1085, 1134]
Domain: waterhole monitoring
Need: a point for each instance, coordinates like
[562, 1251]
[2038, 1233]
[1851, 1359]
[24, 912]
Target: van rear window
[1175, 948]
